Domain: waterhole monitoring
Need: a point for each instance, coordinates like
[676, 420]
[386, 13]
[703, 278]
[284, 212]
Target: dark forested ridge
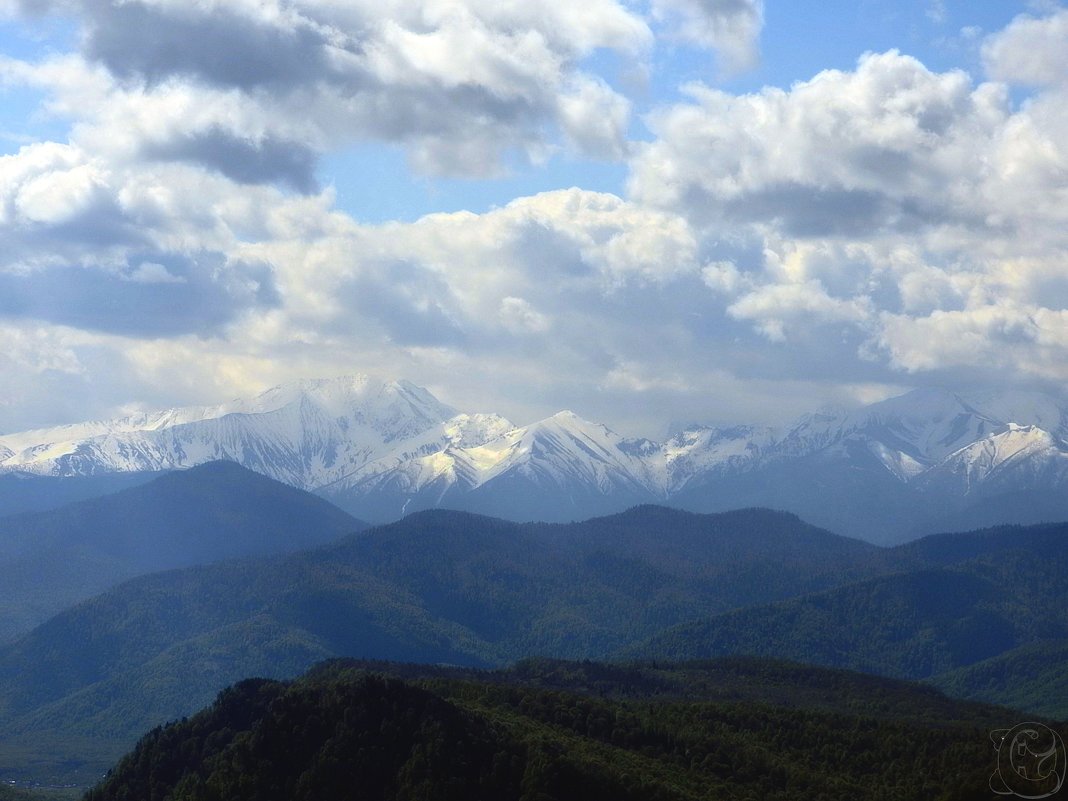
[50, 560]
[551, 730]
[940, 550]
[436, 587]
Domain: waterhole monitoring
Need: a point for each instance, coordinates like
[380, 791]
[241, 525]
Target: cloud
[452, 277]
[882, 147]
[730, 27]
[258, 90]
[862, 229]
[995, 337]
[535, 294]
[227, 45]
[55, 203]
[911, 216]
[37, 350]
[936, 11]
[150, 272]
[594, 118]
[203, 294]
[92, 246]
[247, 161]
[1030, 50]
[773, 306]
[519, 317]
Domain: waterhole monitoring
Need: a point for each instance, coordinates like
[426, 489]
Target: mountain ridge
[949, 601]
[383, 449]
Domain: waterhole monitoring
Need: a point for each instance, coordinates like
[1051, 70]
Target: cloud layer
[257, 89]
[775, 250]
[919, 211]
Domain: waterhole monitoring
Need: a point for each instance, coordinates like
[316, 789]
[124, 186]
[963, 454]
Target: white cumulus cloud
[914, 217]
[259, 90]
[1030, 50]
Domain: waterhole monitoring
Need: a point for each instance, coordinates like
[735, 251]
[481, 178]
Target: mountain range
[927, 461]
[980, 613]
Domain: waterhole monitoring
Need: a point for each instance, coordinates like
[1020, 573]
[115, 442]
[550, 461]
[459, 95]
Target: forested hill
[1032, 677]
[975, 596]
[550, 730]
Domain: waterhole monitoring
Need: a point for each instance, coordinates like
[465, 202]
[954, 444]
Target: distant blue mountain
[51, 560]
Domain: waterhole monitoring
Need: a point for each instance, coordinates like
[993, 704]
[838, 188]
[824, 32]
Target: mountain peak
[566, 416]
[565, 422]
[344, 392]
[307, 433]
[1024, 408]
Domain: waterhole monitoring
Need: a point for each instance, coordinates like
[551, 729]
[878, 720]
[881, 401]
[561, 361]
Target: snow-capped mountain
[381, 449]
[919, 428]
[703, 451]
[307, 434]
[1019, 456]
[563, 465]
[560, 451]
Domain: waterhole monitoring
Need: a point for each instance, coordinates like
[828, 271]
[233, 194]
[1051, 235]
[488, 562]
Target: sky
[651, 213]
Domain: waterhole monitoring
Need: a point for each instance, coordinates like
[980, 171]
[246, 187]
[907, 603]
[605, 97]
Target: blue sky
[719, 210]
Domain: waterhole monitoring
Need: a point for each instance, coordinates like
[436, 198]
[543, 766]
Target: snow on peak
[1009, 458]
[562, 449]
[306, 433]
[356, 434]
[922, 426]
[704, 450]
[470, 430]
[564, 419]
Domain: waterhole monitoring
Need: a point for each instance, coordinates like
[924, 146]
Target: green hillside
[915, 624]
[454, 588]
[1033, 678]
